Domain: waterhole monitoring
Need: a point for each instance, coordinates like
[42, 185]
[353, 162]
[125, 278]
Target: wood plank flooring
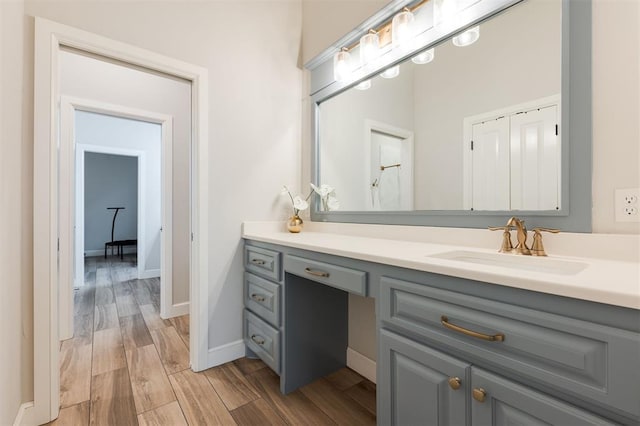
[127, 366]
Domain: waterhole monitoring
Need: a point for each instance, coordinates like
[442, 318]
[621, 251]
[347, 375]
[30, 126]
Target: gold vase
[294, 224]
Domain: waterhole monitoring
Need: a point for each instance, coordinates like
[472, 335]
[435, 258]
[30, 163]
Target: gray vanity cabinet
[451, 351]
[419, 385]
[262, 301]
[526, 366]
[500, 402]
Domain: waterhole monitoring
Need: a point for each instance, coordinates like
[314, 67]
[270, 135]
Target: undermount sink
[505, 260]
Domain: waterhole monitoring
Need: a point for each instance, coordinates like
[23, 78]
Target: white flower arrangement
[327, 195]
[297, 203]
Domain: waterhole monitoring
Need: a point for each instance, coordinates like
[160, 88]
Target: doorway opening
[54, 205]
[390, 154]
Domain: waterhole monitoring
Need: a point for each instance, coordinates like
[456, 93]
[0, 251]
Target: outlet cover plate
[627, 205]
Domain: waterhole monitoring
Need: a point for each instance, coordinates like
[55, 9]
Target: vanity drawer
[262, 297]
[347, 279]
[575, 356]
[262, 339]
[262, 261]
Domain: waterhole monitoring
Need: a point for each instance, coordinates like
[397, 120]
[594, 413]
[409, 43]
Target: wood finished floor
[125, 366]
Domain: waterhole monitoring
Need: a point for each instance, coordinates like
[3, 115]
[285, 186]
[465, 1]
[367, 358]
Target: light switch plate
[627, 205]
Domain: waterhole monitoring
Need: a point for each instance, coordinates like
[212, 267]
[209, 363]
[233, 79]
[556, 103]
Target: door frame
[68, 106]
[78, 251]
[407, 152]
[50, 37]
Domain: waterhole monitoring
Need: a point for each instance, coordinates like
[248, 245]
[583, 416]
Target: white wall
[108, 131]
[89, 78]
[251, 49]
[109, 181]
[254, 116]
[16, 224]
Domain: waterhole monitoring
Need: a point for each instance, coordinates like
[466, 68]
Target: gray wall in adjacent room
[110, 181]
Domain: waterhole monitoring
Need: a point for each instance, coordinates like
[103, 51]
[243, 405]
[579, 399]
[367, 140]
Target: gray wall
[110, 181]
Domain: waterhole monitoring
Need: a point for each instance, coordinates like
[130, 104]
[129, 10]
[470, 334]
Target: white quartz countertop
[602, 280]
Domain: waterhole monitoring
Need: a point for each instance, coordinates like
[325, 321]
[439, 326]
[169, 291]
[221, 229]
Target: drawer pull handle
[257, 339]
[258, 297]
[479, 394]
[455, 382]
[489, 337]
[258, 261]
[316, 273]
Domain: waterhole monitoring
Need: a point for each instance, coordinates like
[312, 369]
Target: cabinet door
[413, 384]
[497, 401]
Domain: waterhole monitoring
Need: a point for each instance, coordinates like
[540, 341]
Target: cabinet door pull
[455, 382]
[258, 261]
[258, 297]
[257, 339]
[316, 273]
[479, 394]
[499, 337]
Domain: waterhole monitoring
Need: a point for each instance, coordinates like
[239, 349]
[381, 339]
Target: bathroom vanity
[459, 341]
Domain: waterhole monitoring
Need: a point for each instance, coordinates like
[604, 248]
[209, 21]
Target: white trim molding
[50, 37]
[176, 310]
[361, 364]
[25, 415]
[226, 353]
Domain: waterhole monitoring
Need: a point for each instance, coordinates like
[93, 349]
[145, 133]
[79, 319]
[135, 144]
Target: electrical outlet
[626, 205]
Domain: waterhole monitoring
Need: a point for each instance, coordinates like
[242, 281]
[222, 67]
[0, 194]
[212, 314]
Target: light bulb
[364, 85]
[424, 57]
[369, 49]
[468, 37]
[402, 30]
[342, 66]
[391, 72]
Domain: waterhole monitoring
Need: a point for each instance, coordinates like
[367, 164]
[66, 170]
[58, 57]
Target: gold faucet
[521, 236]
[507, 246]
[521, 247]
[537, 249]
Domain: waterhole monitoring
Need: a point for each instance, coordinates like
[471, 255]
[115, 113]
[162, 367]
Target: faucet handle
[538, 248]
[506, 247]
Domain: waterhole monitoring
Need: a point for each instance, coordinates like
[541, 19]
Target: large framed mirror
[447, 133]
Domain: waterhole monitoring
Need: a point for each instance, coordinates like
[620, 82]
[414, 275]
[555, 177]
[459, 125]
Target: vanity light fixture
[424, 57]
[444, 10]
[342, 65]
[363, 85]
[369, 48]
[402, 29]
[468, 37]
[392, 72]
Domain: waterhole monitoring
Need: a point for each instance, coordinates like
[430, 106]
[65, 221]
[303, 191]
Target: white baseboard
[149, 273]
[177, 310]
[225, 353]
[96, 253]
[25, 415]
[361, 364]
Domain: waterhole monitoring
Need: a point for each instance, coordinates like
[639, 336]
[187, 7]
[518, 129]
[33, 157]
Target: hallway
[126, 366]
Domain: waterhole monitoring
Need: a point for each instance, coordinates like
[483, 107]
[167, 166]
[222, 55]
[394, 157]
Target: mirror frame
[575, 212]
